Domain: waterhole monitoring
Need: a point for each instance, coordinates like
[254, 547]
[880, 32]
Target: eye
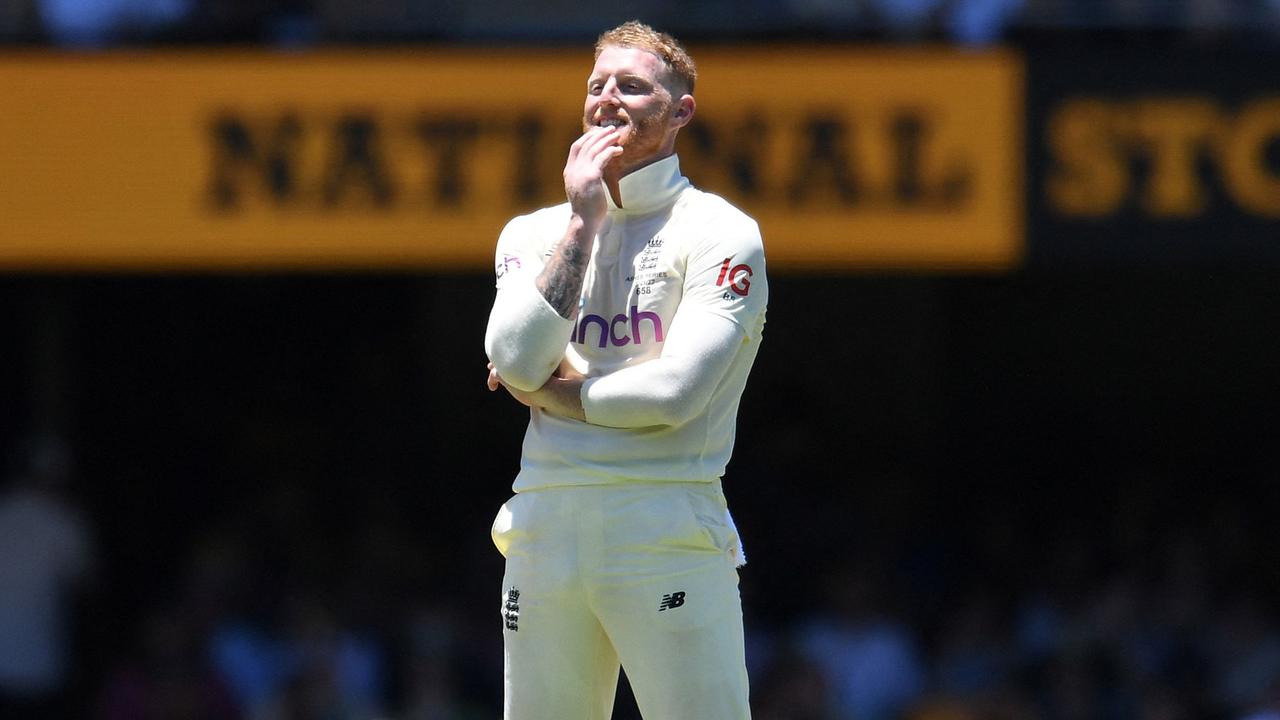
[594, 88]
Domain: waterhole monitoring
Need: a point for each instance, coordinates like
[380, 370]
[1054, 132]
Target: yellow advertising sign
[1095, 141]
[416, 159]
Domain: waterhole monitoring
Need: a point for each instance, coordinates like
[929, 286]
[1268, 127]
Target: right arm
[532, 318]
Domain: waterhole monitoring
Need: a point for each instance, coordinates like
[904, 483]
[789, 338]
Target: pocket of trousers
[712, 514]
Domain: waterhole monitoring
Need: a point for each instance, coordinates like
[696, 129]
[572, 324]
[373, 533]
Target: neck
[612, 182]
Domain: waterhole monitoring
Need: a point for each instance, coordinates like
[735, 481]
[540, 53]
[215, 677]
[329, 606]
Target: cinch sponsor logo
[508, 262]
[607, 331]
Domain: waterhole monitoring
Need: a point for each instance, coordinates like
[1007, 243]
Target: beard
[644, 137]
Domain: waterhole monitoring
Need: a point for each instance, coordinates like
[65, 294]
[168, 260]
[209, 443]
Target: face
[626, 87]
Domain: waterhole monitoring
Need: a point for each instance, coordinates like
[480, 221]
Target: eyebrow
[621, 77]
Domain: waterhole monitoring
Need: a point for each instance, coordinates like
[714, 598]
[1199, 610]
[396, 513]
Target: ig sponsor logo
[738, 277]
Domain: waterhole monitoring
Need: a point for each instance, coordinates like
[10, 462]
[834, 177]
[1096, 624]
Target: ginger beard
[641, 138]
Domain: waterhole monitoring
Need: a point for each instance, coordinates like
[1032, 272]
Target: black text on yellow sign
[436, 164]
[848, 160]
[1188, 145]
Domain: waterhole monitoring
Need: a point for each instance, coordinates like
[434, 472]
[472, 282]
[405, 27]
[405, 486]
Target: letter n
[264, 156]
[599, 322]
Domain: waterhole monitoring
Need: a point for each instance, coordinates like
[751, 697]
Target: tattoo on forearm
[561, 280]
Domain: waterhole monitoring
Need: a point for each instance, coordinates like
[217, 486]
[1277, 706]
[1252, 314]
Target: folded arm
[668, 390]
[673, 388]
[526, 337]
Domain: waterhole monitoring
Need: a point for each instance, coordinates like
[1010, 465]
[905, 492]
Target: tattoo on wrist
[561, 280]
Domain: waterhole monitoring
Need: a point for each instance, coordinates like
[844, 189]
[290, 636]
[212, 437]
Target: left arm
[668, 390]
[673, 388]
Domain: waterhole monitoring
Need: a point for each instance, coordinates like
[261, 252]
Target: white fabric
[525, 338]
[676, 281]
[675, 387]
[638, 574]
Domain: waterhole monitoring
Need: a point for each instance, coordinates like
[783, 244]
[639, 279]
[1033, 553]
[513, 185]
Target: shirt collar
[650, 187]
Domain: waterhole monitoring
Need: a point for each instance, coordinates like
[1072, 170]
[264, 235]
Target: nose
[609, 93]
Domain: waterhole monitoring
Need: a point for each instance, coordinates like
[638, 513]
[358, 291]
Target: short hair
[635, 34]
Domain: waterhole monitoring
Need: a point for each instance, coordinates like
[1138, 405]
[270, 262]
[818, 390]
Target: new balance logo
[511, 610]
[671, 602]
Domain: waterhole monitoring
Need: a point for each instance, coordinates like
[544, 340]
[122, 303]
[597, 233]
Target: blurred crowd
[291, 23]
[1170, 639]
[301, 605]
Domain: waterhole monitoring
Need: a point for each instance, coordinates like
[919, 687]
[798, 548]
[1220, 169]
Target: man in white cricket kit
[627, 319]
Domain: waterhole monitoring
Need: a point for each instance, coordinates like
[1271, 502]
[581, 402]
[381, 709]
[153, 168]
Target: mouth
[611, 122]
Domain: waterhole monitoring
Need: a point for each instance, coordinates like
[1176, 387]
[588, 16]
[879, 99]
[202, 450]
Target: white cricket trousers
[638, 575]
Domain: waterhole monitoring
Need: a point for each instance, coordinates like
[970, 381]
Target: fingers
[587, 135]
[585, 168]
[592, 143]
[576, 148]
[600, 139]
[593, 134]
[606, 155]
[599, 152]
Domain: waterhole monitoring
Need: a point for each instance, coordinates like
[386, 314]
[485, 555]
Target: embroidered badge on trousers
[511, 610]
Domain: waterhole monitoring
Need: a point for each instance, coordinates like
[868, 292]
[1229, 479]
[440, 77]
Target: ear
[684, 110]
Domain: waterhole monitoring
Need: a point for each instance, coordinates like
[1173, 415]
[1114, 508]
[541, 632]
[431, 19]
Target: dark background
[945, 434]
[1050, 492]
